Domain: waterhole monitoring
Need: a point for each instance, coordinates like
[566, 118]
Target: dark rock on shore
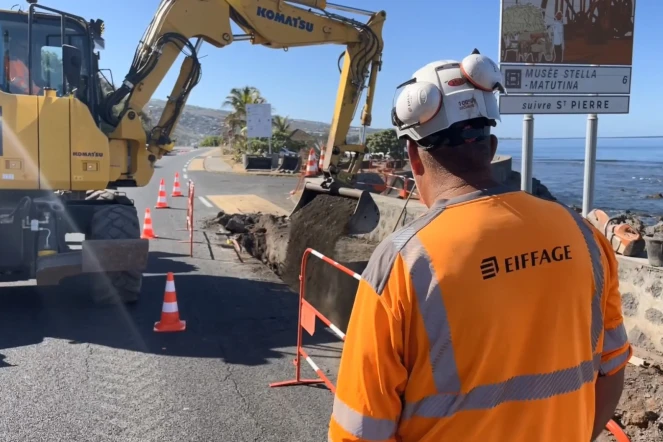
[538, 188]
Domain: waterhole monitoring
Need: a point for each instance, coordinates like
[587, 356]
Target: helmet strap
[463, 132]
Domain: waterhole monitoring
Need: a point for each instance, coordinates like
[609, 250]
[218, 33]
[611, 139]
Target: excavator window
[46, 54]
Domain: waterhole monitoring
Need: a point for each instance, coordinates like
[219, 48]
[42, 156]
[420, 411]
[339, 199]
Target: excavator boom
[70, 134]
[275, 24]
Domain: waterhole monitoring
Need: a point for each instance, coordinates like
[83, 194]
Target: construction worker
[18, 67]
[496, 315]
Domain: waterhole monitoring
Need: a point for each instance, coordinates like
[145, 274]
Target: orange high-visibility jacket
[18, 78]
[487, 319]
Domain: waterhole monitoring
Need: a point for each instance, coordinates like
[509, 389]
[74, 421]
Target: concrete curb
[271, 174]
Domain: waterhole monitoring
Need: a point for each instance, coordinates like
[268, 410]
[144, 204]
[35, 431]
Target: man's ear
[415, 160]
[493, 146]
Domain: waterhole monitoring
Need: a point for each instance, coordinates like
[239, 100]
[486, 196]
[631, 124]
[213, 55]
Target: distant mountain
[197, 123]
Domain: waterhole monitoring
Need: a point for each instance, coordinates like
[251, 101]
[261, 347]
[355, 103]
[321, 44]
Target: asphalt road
[72, 371]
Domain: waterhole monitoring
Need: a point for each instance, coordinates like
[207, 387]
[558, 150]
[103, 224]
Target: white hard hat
[446, 92]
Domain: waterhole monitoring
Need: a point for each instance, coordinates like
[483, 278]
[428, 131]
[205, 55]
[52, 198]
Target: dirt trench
[279, 243]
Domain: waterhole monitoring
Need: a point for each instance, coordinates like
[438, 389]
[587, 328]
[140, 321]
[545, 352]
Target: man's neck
[451, 186]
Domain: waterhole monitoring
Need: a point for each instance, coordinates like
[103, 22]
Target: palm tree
[281, 124]
[237, 101]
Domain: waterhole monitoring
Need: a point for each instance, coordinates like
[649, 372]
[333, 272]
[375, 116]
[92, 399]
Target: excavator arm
[275, 24]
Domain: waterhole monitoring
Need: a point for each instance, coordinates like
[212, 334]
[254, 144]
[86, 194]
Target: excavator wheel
[115, 221]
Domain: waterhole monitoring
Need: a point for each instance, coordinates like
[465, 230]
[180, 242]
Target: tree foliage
[386, 142]
[211, 141]
[237, 101]
[234, 126]
[281, 124]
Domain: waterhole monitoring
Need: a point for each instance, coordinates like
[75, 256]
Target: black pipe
[31, 13]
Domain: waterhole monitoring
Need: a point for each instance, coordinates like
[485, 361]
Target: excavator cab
[56, 162]
[51, 49]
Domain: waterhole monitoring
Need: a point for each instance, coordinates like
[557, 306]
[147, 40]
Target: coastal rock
[655, 229]
[538, 189]
[632, 220]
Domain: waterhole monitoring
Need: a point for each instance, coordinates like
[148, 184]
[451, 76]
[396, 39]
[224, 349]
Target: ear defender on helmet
[418, 103]
[482, 72]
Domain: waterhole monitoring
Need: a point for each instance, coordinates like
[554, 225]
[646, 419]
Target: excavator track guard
[366, 215]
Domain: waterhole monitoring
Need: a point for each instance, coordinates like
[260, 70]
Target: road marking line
[185, 176]
[245, 204]
[205, 202]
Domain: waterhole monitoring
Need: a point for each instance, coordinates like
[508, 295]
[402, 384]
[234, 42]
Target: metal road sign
[563, 104]
[540, 79]
[259, 120]
[580, 32]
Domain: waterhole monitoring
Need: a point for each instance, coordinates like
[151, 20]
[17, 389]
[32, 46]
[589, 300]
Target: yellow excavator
[69, 139]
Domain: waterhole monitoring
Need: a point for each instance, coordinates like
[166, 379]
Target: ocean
[627, 171]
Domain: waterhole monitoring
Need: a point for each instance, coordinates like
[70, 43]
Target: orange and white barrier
[177, 191]
[162, 201]
[616, 431]
[299, 185]
[170, 314]
[311, 164]
[310, 170]
[404, 191]
[300, 182]
[189, 217]
[307, 317]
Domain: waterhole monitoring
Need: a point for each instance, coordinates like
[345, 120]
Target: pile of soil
[279, 243]
[640, 410]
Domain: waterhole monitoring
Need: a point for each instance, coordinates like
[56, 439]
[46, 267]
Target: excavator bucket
[364, 219]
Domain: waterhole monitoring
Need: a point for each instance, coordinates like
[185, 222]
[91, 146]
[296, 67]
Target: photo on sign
[567, 31]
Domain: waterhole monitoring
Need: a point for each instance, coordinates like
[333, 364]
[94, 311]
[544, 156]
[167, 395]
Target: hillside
[198, 122]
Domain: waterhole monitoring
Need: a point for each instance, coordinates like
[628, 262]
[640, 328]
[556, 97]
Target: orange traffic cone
[162, 202]
[170, 315]
[311, 165]
[322, 157]
[148, 230]
[177, 191]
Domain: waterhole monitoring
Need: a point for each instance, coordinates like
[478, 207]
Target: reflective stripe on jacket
[487, 319]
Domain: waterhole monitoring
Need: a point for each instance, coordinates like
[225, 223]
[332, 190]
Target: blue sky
[302, 83]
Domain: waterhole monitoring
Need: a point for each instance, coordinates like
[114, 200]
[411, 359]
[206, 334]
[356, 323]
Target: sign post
[259, 122]
[527, 160]
[566, 57]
